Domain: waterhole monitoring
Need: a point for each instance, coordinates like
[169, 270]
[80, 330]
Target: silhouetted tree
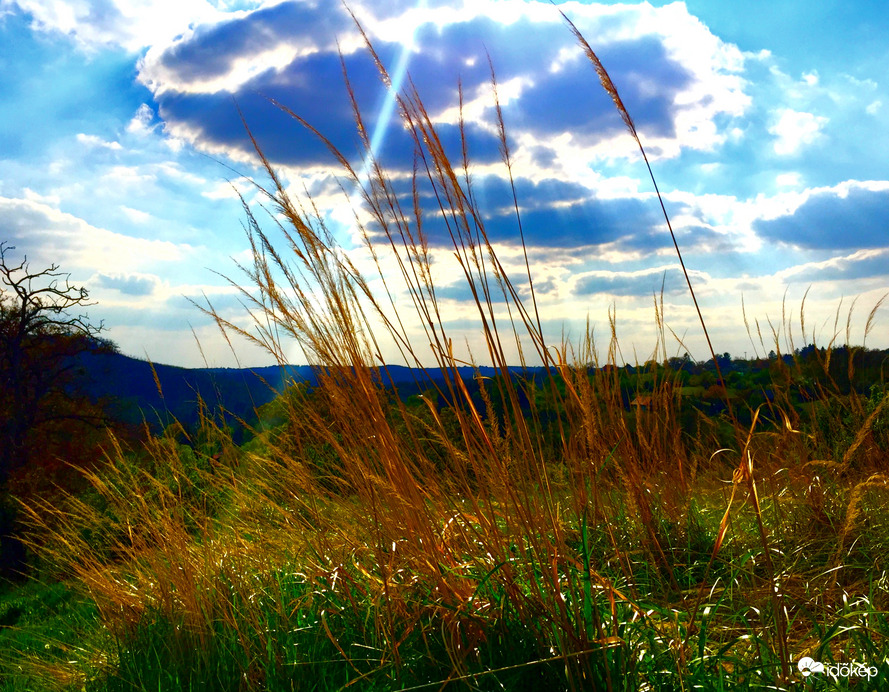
[41, 331]
[44, 419]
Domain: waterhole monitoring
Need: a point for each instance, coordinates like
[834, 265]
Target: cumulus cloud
[122, 272]
[131, 24]
[136, 215]
[848, 216]
[50, 236]
[142, 123]
[559, 120]
[683, 85]
[462, 293]
[554, 214]
[94, 141]
[641, 283]
[226, 54]
[289, 51]
[128, 284]
[795, 130]
[864, 264]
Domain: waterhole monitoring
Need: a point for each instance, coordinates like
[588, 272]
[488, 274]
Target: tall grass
[514, 532]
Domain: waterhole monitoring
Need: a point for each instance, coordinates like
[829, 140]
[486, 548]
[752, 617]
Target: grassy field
[528, 534]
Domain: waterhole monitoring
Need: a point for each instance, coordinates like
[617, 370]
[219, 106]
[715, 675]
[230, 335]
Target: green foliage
[50, 623]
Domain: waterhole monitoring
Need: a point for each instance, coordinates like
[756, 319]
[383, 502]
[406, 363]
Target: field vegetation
[588, 525]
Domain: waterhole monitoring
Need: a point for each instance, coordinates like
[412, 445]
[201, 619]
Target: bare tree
[41, 330]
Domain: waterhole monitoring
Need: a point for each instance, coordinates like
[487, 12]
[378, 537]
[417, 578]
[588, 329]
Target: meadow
[507, 533]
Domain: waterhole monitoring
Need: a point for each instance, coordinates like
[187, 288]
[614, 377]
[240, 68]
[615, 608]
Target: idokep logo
[809, 666]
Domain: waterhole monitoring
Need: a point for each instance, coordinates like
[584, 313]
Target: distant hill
[136, 396]
[130, 383]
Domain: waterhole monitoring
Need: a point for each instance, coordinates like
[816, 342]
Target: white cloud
[94, 141]
[795, 129]
[228, 190]
[874, 107]
[241, 69]
[141, 123]
[811, 78]
[129, 176]
[32, 196]
[713, 85]
[840, 262]
[785, 203]
[135, 285]
[135, 215]
[51, 236]
[131, 24]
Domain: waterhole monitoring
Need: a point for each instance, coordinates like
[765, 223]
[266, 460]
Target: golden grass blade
[611, 90]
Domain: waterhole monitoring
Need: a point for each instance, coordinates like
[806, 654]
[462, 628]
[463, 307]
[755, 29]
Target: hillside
[136, 396]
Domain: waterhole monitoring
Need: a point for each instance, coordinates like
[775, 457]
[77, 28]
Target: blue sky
[767, 124]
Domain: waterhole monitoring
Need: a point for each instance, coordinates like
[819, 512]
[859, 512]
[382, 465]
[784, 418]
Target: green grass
[323, 622]
[42, 627]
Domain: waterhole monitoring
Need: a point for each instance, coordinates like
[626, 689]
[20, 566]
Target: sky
[766, 123]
